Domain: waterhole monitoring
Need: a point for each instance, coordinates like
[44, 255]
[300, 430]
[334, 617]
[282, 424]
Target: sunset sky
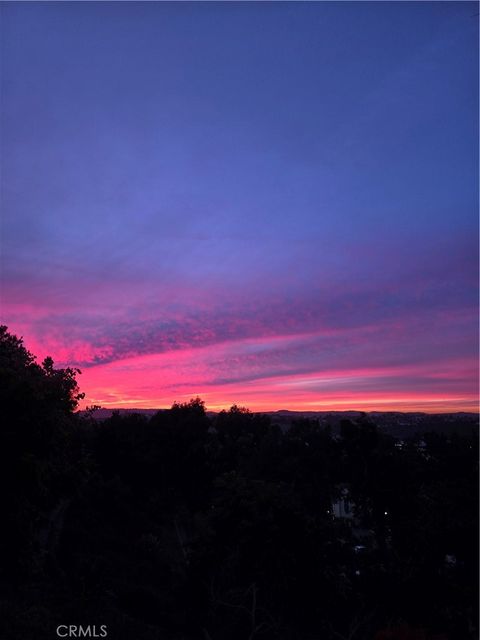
[268, 204]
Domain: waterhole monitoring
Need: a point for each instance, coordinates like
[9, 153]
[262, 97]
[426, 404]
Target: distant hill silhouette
[398, 424]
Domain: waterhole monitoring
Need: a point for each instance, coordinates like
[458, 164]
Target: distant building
[343, 506]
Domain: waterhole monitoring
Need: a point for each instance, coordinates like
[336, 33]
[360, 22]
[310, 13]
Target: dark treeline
[184, 526]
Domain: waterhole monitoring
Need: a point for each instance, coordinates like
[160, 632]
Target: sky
[267, 204]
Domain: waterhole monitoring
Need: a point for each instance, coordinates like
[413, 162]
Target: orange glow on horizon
[156, 381]
[423, 404]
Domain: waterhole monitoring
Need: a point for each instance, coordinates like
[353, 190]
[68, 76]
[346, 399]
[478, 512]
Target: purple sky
[273, 204]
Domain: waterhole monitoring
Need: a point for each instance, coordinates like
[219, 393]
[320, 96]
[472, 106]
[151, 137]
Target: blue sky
[183, 176]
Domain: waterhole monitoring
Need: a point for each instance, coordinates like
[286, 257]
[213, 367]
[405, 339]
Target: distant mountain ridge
[395, 423]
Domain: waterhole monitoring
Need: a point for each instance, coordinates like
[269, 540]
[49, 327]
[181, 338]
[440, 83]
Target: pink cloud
[158, 380]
